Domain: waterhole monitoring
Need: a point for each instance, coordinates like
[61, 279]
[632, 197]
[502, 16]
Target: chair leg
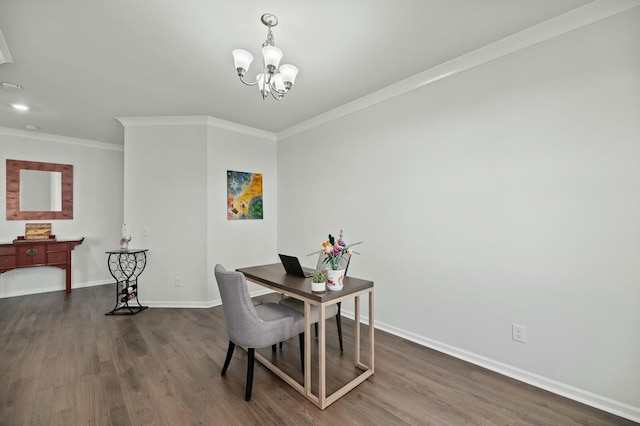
[301, 337]
[273, 348]
[250, 363]
[339, 324]
[228, 358]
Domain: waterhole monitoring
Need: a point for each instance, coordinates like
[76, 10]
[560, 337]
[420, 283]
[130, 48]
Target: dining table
[274, 277]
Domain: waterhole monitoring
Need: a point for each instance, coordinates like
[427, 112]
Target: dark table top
[274, 275]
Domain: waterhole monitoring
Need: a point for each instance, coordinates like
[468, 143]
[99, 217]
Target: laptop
[292, 266]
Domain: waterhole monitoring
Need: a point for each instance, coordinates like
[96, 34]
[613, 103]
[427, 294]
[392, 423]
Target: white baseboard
[49, 289]
[185, 304]
[207, 304]
[585, 397]
[91, 284]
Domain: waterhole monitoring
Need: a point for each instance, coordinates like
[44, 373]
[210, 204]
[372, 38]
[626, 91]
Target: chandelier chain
[270, 41]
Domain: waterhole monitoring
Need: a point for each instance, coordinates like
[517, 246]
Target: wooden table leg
[371, 332]
[357, 330]
[307, 349]
[322, 358]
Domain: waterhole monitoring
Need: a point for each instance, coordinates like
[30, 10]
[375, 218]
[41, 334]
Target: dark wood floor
[62, 362]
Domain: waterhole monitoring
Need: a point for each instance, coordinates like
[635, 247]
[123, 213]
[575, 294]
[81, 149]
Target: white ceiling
[82, 63]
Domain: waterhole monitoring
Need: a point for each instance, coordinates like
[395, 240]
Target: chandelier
[274, 80]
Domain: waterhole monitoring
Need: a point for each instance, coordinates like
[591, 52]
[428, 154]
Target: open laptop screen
[292, 266]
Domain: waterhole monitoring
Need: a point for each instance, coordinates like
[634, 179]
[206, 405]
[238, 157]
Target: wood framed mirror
[37, 190]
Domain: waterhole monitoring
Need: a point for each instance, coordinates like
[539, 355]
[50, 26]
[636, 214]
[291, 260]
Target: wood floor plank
[63, 362]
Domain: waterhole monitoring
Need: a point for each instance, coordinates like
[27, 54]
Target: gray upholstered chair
[252, 326]
[331, 310]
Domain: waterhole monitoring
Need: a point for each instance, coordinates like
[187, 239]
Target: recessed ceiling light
[9, 87]
[20, 107]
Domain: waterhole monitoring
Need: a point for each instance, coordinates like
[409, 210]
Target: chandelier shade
[262, 85]
[278, 82]
[272, 56]
[242, 59]
[274, 78]
[289, 73]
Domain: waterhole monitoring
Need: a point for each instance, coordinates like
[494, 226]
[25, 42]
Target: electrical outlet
[145, 231]
[178, 281]
[519, 333]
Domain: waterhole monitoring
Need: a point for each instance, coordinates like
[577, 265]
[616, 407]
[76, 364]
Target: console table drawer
[57, 257]
[7, 251]
[57, 247]
[31, 255]
[7, 261]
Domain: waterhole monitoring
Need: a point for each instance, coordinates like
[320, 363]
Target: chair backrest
[344, 262]
[240, 315]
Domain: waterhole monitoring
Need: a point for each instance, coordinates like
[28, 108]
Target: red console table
[30, 253]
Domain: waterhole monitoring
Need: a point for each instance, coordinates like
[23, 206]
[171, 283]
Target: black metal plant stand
[125, 266]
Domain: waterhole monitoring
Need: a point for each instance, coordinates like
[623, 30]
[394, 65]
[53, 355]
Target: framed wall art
[244, 195]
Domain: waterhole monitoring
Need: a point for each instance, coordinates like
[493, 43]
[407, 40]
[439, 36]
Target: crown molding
[5, 55]
[196, 120]
[561, 24]
[59, 139]
[230, 125]
[200, 120]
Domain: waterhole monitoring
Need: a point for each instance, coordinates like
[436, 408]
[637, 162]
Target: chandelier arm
[263, 82]
[279, 97]
[280, 92]
[248, 84]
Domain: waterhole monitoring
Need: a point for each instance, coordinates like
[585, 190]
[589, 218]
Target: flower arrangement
[335, 250]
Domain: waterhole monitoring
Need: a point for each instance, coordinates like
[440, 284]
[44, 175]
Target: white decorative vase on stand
[334, 279]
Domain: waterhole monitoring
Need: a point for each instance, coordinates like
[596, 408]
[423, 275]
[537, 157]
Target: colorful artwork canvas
[244, 195]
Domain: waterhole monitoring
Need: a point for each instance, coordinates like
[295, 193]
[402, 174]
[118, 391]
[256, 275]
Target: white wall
[237, 243]
[175, 183]
[166, 190]
[97, 209]
[504, 194]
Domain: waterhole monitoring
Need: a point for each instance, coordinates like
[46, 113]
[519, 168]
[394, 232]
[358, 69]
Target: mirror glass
[40, 191]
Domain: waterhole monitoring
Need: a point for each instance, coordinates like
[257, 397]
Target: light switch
[145, 231]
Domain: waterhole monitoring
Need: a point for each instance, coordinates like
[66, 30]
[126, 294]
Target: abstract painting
[244, 195]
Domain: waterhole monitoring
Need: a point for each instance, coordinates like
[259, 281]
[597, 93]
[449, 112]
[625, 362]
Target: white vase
[318, 287]
[334, 279]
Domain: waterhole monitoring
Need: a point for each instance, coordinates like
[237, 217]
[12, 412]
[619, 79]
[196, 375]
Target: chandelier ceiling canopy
[271, 79]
